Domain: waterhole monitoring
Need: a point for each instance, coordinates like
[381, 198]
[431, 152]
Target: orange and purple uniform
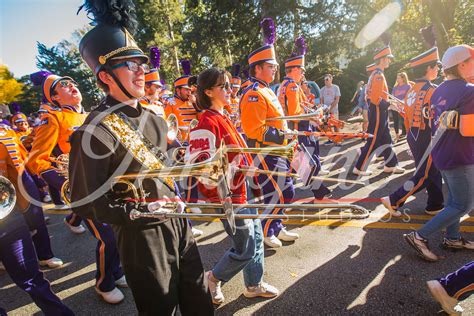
[184, 111]
[155, 106]
[53, 134]
[259, 103]
[15, 148]
[377, 98]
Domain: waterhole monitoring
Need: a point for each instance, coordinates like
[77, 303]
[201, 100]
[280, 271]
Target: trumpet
[62, 164]
[7, 197]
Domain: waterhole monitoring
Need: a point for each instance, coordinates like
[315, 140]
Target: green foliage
[219, 33]
[10, 88]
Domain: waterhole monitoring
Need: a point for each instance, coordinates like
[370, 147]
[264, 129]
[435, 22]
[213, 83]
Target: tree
[10, 88]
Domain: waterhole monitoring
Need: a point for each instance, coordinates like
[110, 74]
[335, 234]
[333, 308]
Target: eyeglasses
[132, 66]
[224, 86]
[327, 79]
[67, 83]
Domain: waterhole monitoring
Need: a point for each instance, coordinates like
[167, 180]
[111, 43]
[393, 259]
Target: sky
[24, 22]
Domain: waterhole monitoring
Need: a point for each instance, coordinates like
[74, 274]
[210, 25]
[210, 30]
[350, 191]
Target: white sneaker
[388, 206]
[323, 172]
[361, 173]
[261, 290]
[196, 232]
[287, 236]
[215, 289]
[75, 229]
[51, 263]
[395, 169]
[381, 165]
[113, 297]
[47, 198]
[60, 207]
[122, 282]
[272, 242]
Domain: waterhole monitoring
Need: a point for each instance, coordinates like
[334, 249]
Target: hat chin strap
[108, 69]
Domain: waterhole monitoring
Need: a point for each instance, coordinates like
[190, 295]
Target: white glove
[290, 134]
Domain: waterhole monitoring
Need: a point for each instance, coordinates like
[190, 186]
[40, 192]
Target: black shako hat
[110, 39]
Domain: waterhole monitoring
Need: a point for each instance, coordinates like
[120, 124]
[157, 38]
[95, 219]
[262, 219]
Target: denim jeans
[246, 253]
[460, 181]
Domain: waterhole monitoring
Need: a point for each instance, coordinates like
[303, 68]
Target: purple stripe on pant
[460, 284]
[19, 258]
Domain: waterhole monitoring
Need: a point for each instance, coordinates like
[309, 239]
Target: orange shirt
[292, 97]
[258, 104]
[8, 170]
[416, 99]
[184, 111]
[377, 89]
[15, 148]
[54, 130]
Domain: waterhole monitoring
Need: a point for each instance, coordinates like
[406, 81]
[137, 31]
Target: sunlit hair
[404, 77]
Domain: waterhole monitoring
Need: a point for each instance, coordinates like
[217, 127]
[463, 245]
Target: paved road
[354, 267]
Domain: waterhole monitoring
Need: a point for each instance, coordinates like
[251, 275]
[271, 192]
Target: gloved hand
[290, 134]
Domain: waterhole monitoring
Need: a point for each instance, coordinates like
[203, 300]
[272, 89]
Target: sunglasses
[224, 86]
[67, 83]
[132, 66]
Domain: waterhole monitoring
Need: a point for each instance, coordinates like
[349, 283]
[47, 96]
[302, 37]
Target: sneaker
[261, 290]
[75, 229]
[460, 243]
[287, 236]
[447, 302]
[396, 170]
[60, 207]
[421, 247]
[433, 212]
[113, 297]
[122, 282]
[215, 289]
[47, 198]
[272, 242]
[51, 263]
[361, 173]
[388, 205]
[381, 165]
[196, 232]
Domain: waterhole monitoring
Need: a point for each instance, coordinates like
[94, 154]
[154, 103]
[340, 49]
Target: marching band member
[247, 253]
[377, 97]
[293, 99]
[181, 104]
[34, 215]
[153, 85]
[54, 133]
[258, 103]
[16, 247]
[235, 83]
[418, 102]
[452, 152]
[159, 256]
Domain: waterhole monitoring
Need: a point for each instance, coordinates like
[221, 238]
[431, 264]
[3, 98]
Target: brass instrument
[173, 130]
[215, 170]
[7, 197]
[302, 117]
[62, 164]
[397, 103]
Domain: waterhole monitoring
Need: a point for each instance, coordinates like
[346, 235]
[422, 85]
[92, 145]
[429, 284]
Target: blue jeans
[246, 253]
[460, 181]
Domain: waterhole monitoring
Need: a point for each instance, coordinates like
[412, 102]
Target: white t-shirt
[329, 94]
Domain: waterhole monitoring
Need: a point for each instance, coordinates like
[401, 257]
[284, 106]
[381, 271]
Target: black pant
[164, 269]
[398, 121]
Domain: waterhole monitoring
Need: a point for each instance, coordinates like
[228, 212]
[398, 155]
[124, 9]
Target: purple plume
[15, 107]
[268, 29]
[428, 34]
[155, 57]
[39, 77]
[186, 66]
[235, 70]
[300, 47]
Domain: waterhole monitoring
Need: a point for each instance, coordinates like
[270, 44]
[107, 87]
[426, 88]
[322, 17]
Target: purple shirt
[452, 149]
[401, 91]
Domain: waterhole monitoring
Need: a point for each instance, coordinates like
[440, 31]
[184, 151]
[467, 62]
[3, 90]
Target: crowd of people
[127, 134]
